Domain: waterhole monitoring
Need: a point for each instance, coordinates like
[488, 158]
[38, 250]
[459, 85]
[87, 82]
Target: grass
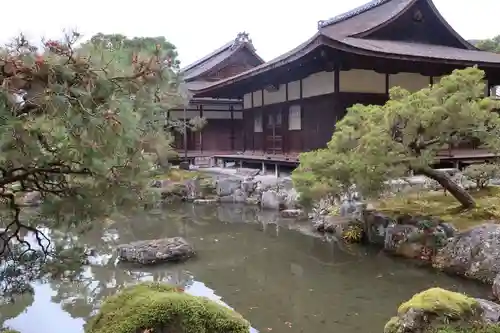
[444, 206]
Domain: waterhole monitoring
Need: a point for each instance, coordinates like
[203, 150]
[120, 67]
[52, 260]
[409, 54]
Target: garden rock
[375, 227]
[436, 307]
[496, 287]
[474, 253]
[227, 186]
[155, 251]
[292, 213]
[270, 199]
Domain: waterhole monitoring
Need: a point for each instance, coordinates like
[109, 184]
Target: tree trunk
[448, 184]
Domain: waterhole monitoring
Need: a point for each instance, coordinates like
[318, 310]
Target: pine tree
[76, 124]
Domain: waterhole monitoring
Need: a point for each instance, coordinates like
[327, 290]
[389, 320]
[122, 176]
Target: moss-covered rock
[441, 302]
[164, 308]
[430, 309]
[477, 329]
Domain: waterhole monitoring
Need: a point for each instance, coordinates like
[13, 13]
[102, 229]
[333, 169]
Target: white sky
[197, 27]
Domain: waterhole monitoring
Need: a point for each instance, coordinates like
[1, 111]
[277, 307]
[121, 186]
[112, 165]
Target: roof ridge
[241, 38]
[351, 13]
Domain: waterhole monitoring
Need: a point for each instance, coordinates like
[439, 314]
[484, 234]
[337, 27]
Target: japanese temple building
[291, 103]
[224, 115]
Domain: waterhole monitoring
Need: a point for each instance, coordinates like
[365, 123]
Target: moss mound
[164, 308]
[434, 310]
[441, 302]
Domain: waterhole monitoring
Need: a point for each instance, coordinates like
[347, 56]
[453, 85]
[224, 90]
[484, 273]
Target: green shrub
[482, 174]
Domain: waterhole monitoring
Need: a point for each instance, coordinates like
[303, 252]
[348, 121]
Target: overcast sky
[197, 27]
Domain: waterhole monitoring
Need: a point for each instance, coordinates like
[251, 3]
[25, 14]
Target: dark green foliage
[373, 144]
[491, 45]
[75, 125]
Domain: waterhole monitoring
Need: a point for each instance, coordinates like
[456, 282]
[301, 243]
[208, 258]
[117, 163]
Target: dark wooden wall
[319, 116]
[217, 135]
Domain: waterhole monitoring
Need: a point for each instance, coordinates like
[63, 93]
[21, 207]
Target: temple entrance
[273, 131]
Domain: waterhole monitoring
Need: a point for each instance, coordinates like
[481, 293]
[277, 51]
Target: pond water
[274, 272]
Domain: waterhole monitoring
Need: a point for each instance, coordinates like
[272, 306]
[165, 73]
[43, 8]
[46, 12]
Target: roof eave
[222, 62]
[361, 51]
[298, 53]
[385, 23]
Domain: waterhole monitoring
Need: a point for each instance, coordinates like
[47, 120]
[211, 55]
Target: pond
[276, 273]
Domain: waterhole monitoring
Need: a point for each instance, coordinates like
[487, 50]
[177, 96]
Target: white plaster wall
[409, 81]
[293, 90]
[316, 84]
[362, 81]
[257, 98]
[273, 97]
[247, 101]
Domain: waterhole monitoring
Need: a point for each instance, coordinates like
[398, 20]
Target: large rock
[474, 253]
[155, 251]
[437, 308]
[270, 199]
[227, 186]
[415, 237]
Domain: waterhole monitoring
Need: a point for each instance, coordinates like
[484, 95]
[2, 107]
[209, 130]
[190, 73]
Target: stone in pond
[149, 252]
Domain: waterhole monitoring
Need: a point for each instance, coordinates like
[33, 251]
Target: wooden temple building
[224, 116]
[291, 103]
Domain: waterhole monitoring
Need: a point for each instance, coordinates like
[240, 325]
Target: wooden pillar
[201, 131]
[253, 121]
[285, 124]
[301, 95]
[264, 124]
[387, 76]
[231, 109]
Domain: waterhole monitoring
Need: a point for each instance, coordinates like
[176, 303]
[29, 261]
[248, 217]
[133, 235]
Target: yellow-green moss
[8, 330]
[392, 325]
[441, 302]
[480, 329]
[179, 175]
[446, 207]
[163, 307]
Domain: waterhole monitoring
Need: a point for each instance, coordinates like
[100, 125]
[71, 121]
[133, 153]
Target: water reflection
[260, 265]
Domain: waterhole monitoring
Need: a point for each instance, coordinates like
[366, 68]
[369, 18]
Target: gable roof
[344, 32]
[218, 56]
[376, 14]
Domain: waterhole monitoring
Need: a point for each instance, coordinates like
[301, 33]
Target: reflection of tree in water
[24, 264]
[80, 289]
[81, 297]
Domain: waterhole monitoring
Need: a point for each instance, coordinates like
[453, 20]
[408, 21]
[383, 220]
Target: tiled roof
[341, 31]
[216, 57]
[423, 50]
[368, 18]
[351, 13]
